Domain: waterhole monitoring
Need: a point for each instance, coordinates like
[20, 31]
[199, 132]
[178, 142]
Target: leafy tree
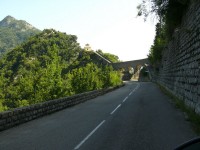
[2, 94]
[50, 65]
[169, 14]
[92, 77]
[110, 77]
[86, 78]
[33, 71]
[110, 57]
[155, 54]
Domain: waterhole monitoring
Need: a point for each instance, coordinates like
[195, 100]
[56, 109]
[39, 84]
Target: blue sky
[110, 25]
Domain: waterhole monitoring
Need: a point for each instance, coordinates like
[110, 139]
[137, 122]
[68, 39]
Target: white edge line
[89, 135]
[115, 109]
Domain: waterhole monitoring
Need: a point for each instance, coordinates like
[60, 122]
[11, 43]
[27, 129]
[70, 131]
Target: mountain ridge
[13, 32]
[11, 22]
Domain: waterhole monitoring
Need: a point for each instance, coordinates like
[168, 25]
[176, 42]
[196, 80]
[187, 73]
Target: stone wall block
[2, 122]
[197, 107]
[21, 115]
[181, 70]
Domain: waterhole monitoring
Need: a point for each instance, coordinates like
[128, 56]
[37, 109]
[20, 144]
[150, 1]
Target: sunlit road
[135, 117]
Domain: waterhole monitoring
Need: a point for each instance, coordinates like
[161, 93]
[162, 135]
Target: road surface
[135, 117]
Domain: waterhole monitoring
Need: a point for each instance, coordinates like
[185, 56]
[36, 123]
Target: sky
[109, 25]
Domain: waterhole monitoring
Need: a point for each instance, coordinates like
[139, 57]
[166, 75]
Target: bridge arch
[125, 65]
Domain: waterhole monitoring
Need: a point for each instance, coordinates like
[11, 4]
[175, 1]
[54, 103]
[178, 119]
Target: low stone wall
[21, 115]
[180, 70]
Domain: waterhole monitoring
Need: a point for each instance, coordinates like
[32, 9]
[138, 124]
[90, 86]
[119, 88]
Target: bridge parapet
[127, 64]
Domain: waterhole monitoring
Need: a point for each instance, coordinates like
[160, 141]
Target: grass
[190, 114]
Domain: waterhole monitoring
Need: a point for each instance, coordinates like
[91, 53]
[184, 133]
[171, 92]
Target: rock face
[181, 60]
[6, 21]
[13, 23]
[13, 32]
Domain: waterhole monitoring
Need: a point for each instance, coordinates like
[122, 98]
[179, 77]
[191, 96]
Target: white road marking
[89, 135]
[115, 109]
[125, 99]
[93, 131]
[138, 85]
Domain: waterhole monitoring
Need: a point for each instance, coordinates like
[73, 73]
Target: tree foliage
[110, 57]
[50, 65]
[155, 53]
[169, 14]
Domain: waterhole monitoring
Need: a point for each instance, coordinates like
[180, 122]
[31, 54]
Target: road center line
[138, 85]
[115, 109]
[134, 89]
[89, 135]
[125, 99]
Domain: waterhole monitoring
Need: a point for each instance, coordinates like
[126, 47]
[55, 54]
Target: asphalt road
[135, 117]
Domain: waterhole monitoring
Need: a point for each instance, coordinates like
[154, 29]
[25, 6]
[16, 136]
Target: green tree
[169, 14]
[50, 65]
[2, 93]
[110, 57]
[86, 78]
[110, 77]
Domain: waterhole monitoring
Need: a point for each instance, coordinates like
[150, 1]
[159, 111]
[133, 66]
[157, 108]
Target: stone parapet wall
[21, 115]
[180, 71]
[125, 65]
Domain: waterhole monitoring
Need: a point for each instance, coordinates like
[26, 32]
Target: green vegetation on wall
[169, 14]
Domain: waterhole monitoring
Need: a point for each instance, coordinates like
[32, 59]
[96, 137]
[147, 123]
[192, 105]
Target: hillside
[13, 32]
[47, 66]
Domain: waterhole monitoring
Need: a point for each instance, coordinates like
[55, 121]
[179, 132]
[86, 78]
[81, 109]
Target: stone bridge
[125, 65]
[121, 65]
[131, 69]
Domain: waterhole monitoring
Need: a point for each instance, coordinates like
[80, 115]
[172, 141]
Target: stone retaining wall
[180, 71]
[21, 115]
